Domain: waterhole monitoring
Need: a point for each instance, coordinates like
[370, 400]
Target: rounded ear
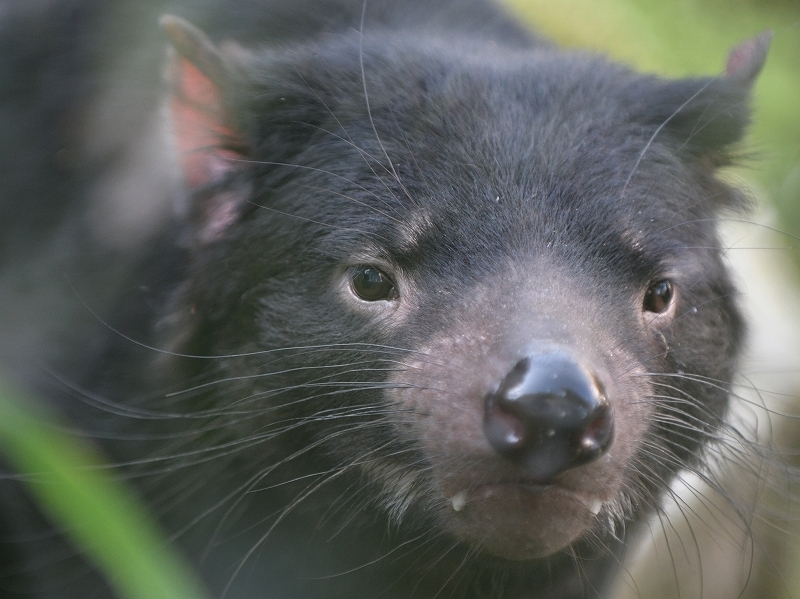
[705, 117]
[203, 134]
[746, 60]
[209, 145]
[234, 112]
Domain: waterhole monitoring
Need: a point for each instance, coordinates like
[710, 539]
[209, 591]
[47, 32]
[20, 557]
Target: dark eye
[658, 296]
[372, 285]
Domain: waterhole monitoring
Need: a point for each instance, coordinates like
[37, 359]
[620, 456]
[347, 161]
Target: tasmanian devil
[442, 313]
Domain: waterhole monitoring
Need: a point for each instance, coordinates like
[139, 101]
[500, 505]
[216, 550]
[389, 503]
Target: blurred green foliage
[692, 37]
[98, 513]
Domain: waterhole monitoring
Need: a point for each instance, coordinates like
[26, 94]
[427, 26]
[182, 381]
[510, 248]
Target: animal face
[485, 284]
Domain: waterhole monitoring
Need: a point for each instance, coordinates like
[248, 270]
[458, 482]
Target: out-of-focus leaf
[74, 489]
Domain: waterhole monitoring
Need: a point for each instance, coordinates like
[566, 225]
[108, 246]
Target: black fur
[296, 441]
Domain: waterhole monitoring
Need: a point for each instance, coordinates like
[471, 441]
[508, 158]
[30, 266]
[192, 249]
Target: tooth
[459, 500]
[595, 505]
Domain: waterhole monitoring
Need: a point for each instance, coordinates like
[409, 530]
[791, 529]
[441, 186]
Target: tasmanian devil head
[483, 285]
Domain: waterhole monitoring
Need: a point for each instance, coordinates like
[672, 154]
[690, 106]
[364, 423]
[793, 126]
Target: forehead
[500, 123]
[489, 151]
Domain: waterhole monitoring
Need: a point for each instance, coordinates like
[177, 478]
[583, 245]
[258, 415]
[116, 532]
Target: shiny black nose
[548, 415]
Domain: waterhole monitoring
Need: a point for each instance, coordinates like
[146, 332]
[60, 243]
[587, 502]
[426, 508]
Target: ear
[746, 60]
[203, 134]
[209, 146]
[704, 118]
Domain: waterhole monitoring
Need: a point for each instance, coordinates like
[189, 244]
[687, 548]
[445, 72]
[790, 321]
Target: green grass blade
[101, 517]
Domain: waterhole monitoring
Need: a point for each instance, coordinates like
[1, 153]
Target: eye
[658, 296]
[372, 285]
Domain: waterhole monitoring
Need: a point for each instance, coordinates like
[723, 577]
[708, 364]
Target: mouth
[521, 519]
[533, 487]
[459, 500]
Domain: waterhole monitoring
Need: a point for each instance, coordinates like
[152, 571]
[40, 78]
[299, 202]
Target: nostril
[549, 414]
[597, 434]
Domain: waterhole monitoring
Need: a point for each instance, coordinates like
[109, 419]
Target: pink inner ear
[739, 57]
[199, 125]
[746, 59]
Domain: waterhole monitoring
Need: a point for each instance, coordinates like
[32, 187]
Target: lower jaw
[521, 521]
